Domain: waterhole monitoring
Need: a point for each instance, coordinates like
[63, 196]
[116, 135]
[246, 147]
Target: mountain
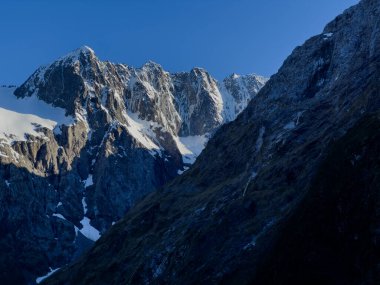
[288, 193]
[82, 140]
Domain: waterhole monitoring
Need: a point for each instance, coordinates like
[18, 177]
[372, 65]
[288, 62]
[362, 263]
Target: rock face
[110, 135]
[288, 193]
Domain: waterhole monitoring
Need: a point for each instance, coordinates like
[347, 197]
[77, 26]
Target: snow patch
[290, 126]
[59, 216]
[191, 146]
[29, 115]
[84, 204]
[33, 106]
[229, 111]
[89, 181]
[185, 168]
[15, 126]
[327, 35]
[89, 231]
[142, 131]
[40, 279]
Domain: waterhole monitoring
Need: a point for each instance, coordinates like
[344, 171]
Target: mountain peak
[234, 76]
[199, 69]
[150, 64]
[86, 50]
[200, 72]
[83, 51]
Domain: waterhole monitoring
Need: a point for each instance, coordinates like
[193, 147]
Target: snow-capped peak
[150, 64]
[235, 76]
[181, 104]
[77, 53]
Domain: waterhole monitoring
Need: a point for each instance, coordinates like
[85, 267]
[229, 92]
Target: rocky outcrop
[302, 153]
[125, 133]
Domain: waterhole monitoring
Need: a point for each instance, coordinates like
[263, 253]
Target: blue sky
[223, 36]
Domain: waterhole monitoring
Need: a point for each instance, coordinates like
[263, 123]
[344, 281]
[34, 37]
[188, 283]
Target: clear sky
[223, 36]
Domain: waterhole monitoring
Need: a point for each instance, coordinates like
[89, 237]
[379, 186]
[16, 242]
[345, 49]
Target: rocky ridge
[122, 133]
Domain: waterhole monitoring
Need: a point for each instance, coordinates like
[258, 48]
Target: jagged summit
[152, 64]
[86, 49]
[118, 133]
[72, 79]
[198, 69]
[83, 52]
